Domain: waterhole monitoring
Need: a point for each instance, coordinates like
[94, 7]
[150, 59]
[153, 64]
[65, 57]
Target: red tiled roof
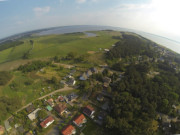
[67, 130]
[47, 120]
[79, 119]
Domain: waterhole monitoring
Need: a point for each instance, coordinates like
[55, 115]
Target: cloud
[41, 10]
[80, 1]
[2, 0]
[83, 1]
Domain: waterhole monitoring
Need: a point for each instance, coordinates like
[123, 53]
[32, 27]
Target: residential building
[60, 108]
[100, 98]
[48, 121]
[106, 80]
[68, 130]
[50, 102]
[30, 108]
[71, 97]
[89, 111]
[89, 73]
[71, 82]
[94, 70]
[79, 120]
[83, 77]
[49, 108]
[7, 126]
[33, 115]
[61, 98]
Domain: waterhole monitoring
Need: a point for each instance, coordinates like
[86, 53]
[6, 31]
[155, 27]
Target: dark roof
[30, 108]
[60, 108]
[72, 96]
[93, 69]
[107, 79]
[88, 110]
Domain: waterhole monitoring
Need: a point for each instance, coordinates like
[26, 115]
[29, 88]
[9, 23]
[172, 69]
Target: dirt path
[66, 88]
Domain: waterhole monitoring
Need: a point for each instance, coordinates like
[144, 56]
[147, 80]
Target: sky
[160, 17]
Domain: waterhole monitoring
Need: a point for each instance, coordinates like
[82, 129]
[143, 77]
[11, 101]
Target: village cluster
[59, 108]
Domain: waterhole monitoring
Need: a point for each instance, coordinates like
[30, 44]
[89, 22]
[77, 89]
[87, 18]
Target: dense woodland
[137, 98]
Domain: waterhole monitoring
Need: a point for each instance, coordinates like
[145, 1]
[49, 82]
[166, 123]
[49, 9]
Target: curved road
[66, 88]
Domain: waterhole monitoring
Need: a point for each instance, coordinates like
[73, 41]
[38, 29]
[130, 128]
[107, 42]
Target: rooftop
[68, 130]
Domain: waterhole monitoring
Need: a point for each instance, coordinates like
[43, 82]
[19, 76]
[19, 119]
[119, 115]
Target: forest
[137, 98]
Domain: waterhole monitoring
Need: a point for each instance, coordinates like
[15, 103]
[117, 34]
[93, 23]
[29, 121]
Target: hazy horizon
[159, 17]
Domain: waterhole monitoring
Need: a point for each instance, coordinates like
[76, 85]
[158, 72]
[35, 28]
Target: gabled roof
[68, 130]
[60, 107]
[79, 119]
[30, 108]
[107, 79]
[49, 108]
[83, 77]
[93, 70]
[88, 110]
[89, 73]
[34, 114]
[46, 121]
[50, 101]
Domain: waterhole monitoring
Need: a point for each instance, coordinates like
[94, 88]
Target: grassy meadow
[26, 87]
[51, 45]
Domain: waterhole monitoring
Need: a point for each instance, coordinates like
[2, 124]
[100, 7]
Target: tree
[42, 114]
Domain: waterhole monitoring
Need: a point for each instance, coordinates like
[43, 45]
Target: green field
[60, 45]
[25, 87]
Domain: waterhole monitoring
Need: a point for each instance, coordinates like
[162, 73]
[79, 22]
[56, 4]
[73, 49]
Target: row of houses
[78, 121]
[88, 73]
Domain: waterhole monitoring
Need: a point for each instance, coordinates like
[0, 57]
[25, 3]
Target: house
[72, 97]
[83, 77]
[60, 108]
[89, 111]
[106, 50]
[79, 120]
[49, 108]
[105, 106]
[7, 126]
[101, 115]
[50, 102]
[89, 73]
[61, 98]
[1, 130]
[94, 70]
[71, 82]
[106, 80]
[32, 116]
[100, 98]
[68, 130]
[48, 121]
[72, 71]
[30, 108]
